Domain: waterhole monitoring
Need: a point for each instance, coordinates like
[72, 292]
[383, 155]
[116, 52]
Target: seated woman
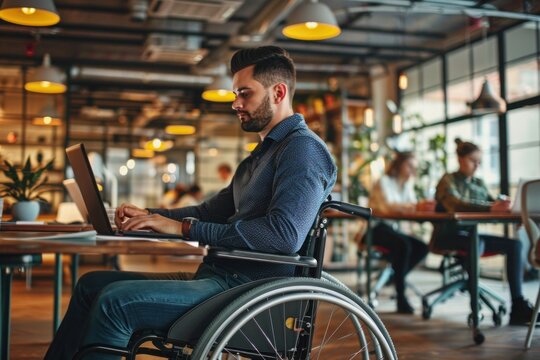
[395, 192]
[461, 191]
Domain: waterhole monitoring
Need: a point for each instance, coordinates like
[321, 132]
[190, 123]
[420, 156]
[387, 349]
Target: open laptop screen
[86, 180]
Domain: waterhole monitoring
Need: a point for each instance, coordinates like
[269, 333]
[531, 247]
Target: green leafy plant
[29, 185]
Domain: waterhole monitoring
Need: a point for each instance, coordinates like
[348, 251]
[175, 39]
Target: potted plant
[25, 189]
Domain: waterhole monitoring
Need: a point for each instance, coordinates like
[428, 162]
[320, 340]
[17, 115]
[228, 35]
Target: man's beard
[260, 118]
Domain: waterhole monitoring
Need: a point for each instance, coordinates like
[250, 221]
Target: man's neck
[279, 116]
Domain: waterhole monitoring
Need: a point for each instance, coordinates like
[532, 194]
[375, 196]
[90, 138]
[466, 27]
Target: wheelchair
[309, 316]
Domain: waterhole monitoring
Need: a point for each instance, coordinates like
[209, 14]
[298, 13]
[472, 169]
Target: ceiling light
[29, 12]
[180, 129]
[219, 90]
[397, 124]
[487, 101]
[368, 117]
[142, 153]
[403, 81]
[123, 170]
[311, 20]
[48, 116]
[45, 79]
[157, 144]
[130, 164]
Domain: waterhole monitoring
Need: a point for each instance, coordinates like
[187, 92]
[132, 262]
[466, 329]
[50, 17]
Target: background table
[472, 219]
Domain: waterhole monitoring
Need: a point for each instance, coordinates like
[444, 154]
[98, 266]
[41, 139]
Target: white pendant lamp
[29, 12]
[312, 21]
[45, 79]
[219, 90]
[487, 102]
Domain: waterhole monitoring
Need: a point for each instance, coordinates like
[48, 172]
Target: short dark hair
[399, 159]
[272, 65]
[465, 148]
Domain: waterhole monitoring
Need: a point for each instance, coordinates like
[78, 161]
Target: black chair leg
[5, 288]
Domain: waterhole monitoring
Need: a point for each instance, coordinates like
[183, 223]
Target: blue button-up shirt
[271, 202]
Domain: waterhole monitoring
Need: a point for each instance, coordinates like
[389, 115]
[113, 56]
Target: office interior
[401, 75]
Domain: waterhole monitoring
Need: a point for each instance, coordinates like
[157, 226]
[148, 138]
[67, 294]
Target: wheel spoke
[266, 337]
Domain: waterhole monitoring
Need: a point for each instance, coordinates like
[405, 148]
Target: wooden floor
[445, 336]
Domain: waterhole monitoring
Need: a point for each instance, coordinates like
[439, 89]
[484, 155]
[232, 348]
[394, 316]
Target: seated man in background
[269, 206]
[462, 191]
[395, 192]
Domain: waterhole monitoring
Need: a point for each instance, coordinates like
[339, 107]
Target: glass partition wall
[510, 141]
[436, 107]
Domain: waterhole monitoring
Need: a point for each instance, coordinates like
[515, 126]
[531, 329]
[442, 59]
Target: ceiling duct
[251, 33]
[215, 11]
[172, 48]
[139, 10]
[95, 113]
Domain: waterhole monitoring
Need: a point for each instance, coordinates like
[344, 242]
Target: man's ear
[279, 93]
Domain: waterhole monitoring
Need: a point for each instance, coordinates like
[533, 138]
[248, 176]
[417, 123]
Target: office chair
[530, 194]
[310, 315]
[455, 278]
[383, 272]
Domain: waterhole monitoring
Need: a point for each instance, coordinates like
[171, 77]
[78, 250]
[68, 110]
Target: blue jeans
[510, 248]
[107, 307]
[404, 252]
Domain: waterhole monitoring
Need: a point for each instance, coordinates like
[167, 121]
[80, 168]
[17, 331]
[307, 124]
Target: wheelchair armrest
[351, 209]
[295, 259]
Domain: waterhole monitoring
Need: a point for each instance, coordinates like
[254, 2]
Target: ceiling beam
[96, 84]
[291, 43]
[68, 61]
[376, 30]
[79, 38]
[353, 55]
[66, 5]
[139, 30]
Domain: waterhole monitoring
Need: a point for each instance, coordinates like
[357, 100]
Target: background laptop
[75, 194]
[97, 215]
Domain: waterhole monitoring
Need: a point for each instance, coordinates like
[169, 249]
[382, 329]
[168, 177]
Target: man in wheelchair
[269, 207]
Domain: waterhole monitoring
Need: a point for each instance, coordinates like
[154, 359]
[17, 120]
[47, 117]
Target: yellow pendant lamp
[45, 79]
[180, 129]
[48, 116]
[312, 21]
[219, 90]
[29, 12]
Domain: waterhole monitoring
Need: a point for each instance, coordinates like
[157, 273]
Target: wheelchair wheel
[298, 318]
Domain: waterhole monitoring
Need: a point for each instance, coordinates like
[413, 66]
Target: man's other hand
[153, 222]
[127, 211]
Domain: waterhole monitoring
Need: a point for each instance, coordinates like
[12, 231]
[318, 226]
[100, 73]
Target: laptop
[75, 194]
[95, 210]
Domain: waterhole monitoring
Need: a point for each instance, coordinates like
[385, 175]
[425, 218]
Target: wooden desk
[60, 247]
